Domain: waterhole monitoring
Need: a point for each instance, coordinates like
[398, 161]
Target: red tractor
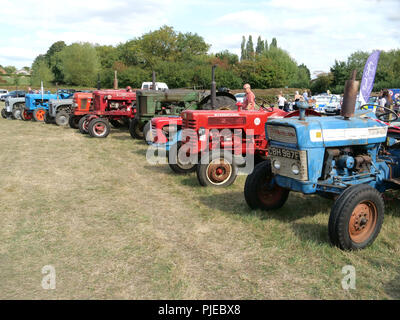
[117, 107]
[80, 107]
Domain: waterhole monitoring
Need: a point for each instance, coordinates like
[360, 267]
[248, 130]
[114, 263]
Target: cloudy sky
[314, 32]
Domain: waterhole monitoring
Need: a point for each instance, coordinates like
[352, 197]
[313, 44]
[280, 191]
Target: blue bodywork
[37, 100]
[337, 153]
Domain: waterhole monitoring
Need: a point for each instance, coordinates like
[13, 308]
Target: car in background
[159, 86]
[3, 92]
[13, 94]
[334, 105]
[321, 101]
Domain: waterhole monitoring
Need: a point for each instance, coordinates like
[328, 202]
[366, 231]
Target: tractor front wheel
[216, 169]
[356, 217]
[136, 129]
[3, 113]
[99, 128]
[26, 116]
[174, 162]
[261, 191]
[16, 112]
[83, 124]
[62, 118]
[74, 121]
[39, 114]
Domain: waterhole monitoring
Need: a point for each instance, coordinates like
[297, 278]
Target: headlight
[295, 169]
[277, 164]
[202, 131]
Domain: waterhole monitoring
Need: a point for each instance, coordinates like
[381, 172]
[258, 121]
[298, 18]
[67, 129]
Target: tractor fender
[225, 98]
[218, 94]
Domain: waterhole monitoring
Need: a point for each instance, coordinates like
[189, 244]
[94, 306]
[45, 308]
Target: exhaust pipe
[115, 80]
[350, 97]
[98, 81]
[213, 87]
[154, 80]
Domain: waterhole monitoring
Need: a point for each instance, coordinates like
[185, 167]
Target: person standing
[305, 96]
[249, 101]
[281, 102]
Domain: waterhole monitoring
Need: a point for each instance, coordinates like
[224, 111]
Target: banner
[367, 82]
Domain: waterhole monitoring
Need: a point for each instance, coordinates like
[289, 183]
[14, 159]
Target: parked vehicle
[352, 158]
[13, 94]
[13, 108]
[81, 106]
[116, 107]
[3, 92]
[159, 86]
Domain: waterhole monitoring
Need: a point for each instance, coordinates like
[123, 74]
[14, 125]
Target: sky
[314, 32]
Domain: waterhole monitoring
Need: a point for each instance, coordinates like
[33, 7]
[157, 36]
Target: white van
[159, 86]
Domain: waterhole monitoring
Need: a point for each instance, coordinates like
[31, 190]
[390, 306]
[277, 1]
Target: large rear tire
[356, 218]
[136, 129]
[175, 164]
[99, 128]
[39, 114]
[260, 190]
[16, 112]
[62, 118]
[216, 169]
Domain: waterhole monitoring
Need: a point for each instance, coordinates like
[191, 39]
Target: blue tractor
[36, 104]
[352, 158]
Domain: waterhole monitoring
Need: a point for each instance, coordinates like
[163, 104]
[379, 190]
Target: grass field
[115, 227]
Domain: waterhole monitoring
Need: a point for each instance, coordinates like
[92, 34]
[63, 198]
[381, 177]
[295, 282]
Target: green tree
[260, 46]
[243, 54]
[107, 55]
[53, 60]
[41, 72]
[80, 64]
[265, 45]
[250, 48]
[274, 43]
[227, 56]
[10, 69]
[190, 45]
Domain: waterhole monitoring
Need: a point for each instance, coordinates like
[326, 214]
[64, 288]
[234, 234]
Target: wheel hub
[219, 171]
[362, 221]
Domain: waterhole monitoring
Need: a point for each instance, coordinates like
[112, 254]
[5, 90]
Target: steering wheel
[262, 104]
[381, 116]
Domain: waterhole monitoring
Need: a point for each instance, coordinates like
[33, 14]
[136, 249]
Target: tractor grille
[189, 124]
[142, 105]
[282, 134]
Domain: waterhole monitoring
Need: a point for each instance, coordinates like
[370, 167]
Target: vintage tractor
[351, 158]
[109, 106]
[60, 109]
[36, 105]
[81, 106]
[216, 143]
[153, 103]
[13, 108]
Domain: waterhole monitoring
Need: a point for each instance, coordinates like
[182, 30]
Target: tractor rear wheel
[261, 191]
[99, 128]
[356, 217]
[74, 121]
[83, 124]
[176, 165]
[3, 113]
[26, 116]
[16, 112]
[136, 129]
[216, 169]
[39, 114]
[62, 118]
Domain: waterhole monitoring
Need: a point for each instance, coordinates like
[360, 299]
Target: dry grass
[116, 227]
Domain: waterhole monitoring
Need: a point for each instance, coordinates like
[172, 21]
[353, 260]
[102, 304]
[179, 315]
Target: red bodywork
[161, 127]
[114, 104]
[244, 134]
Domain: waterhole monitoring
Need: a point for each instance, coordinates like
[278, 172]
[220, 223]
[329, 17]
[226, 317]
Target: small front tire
[99, 128]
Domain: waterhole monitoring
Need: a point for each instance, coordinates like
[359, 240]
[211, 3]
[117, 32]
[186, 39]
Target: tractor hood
[316, 132]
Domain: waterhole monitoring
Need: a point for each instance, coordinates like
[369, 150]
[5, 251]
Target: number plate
[284, 153]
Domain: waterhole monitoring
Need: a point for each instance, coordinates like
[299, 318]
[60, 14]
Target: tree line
[179, 59]
[387, 73]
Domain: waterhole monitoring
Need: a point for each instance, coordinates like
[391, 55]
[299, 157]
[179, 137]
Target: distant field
[115, 227]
